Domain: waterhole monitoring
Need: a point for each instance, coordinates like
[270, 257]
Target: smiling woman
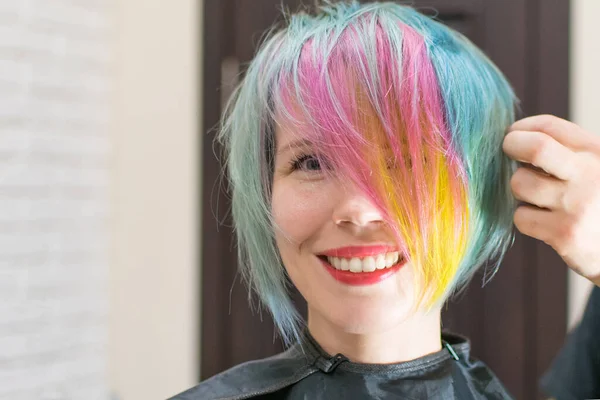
[365, 158]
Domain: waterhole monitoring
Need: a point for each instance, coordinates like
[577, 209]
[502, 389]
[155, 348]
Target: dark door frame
[531, 328]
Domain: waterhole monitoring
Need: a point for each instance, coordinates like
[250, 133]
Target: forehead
[287, 136]
[362, 133]
[338, 116]
[292, 129]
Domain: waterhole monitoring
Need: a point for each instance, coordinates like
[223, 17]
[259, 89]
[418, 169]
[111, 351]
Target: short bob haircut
[403, 107]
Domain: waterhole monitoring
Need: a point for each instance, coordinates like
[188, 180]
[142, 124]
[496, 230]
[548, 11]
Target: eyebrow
[304, 142]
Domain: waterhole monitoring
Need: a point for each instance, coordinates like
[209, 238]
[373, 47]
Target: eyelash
[297, 163]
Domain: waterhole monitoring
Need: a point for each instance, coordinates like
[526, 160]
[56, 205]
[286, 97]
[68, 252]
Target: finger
[535, 188]
[540, 150]
[565, 132]
[536, 222]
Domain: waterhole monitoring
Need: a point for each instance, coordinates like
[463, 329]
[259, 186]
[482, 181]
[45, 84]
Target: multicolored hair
[403, 107]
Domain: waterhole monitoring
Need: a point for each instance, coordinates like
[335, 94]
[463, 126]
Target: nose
[355, 209]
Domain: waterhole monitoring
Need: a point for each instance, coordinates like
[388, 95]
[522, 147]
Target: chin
[364, 318]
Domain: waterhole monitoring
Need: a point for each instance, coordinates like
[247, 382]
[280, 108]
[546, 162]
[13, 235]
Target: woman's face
[318, 215]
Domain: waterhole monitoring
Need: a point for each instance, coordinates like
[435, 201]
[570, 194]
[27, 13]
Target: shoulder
[479, 380]
[575, 370]
[590, 323]
[595, 298]
[252, 378]
[472, 378]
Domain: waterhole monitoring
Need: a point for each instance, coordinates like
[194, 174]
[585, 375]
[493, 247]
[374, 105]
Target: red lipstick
[360, 278]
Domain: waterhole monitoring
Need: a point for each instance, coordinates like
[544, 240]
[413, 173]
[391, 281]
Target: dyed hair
[403, 107]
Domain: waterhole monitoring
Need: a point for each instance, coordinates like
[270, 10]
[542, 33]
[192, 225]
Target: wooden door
[517, 322]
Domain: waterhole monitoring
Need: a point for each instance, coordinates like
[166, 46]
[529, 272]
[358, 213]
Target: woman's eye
[312, 164]
[306, 163]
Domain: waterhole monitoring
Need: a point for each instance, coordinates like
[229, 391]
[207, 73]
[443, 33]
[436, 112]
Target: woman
[365, 157]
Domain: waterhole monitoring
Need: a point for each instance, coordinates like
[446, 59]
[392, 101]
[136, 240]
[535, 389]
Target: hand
[563, 193]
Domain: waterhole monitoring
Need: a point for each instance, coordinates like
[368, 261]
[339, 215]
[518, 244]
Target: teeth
[355, 265]
[390, 259]
[345, 264]
[367, 264]
[337, 262]
[380, 262]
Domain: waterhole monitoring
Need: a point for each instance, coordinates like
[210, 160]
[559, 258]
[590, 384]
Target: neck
[416, 337]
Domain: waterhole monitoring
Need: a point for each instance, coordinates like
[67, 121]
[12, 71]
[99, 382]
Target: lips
[362, 265]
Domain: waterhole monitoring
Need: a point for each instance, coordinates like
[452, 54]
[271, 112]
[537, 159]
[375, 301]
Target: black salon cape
[575, 372]
[313, 374]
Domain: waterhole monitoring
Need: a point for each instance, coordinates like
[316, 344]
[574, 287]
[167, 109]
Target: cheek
[300, 210]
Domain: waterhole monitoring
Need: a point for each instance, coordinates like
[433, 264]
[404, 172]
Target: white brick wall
[55, 60]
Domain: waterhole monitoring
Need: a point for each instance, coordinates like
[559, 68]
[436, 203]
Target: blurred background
[117, 282]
